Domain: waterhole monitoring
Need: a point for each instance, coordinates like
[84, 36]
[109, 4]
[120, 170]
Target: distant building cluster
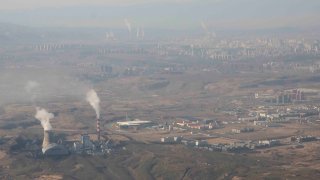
[288, 96]
[301, 139]
[243, 130]
[231, 147]
[244, 49]
[197, 124]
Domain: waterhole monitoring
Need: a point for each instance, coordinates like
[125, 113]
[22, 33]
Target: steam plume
[44, 117]
[128, 24]
[31, 85]
[94, 101]
[205, 27]
[138, 32]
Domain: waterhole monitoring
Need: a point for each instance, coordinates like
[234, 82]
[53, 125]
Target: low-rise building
[195, 126]
[306, 139]
[167, 139]
[201, 142]
[243, 130]
[269, 142]
[181, 123]
[260, 123]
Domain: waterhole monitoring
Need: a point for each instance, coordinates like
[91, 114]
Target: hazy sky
[163, 13]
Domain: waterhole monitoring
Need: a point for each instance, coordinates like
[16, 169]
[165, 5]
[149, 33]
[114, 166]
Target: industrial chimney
[98, 129]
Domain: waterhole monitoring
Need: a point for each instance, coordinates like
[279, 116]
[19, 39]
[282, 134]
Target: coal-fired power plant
[86, 146]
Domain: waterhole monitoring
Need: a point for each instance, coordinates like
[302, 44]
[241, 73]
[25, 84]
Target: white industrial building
[134, 123]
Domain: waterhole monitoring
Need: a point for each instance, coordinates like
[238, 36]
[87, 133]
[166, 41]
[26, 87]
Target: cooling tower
[47, 135]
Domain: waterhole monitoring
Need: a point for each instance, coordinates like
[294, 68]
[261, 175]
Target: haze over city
[160, 89]
[179, 14]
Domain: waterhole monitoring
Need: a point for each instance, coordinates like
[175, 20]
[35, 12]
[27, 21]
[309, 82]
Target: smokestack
[300, 96]
[98, 129]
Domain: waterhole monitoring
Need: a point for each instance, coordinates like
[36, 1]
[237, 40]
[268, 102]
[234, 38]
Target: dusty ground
[220, 140]
[2, 155]
[50, 177]
[295, 160]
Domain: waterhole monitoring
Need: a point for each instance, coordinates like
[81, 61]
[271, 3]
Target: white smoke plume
[30, 88]
[128, 24]
[44, 117]
[94, 101]
[138, 32]
[31, 85]
[205, 27]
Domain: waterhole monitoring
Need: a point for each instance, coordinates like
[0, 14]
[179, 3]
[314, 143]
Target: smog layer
[139, 103]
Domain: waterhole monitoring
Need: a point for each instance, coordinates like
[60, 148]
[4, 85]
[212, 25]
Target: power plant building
[86, 146]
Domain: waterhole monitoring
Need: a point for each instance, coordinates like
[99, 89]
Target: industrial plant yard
[119, 103]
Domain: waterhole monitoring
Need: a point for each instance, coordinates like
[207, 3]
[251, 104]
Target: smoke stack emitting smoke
[128, 24]
[44, 117]
[94, 101]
